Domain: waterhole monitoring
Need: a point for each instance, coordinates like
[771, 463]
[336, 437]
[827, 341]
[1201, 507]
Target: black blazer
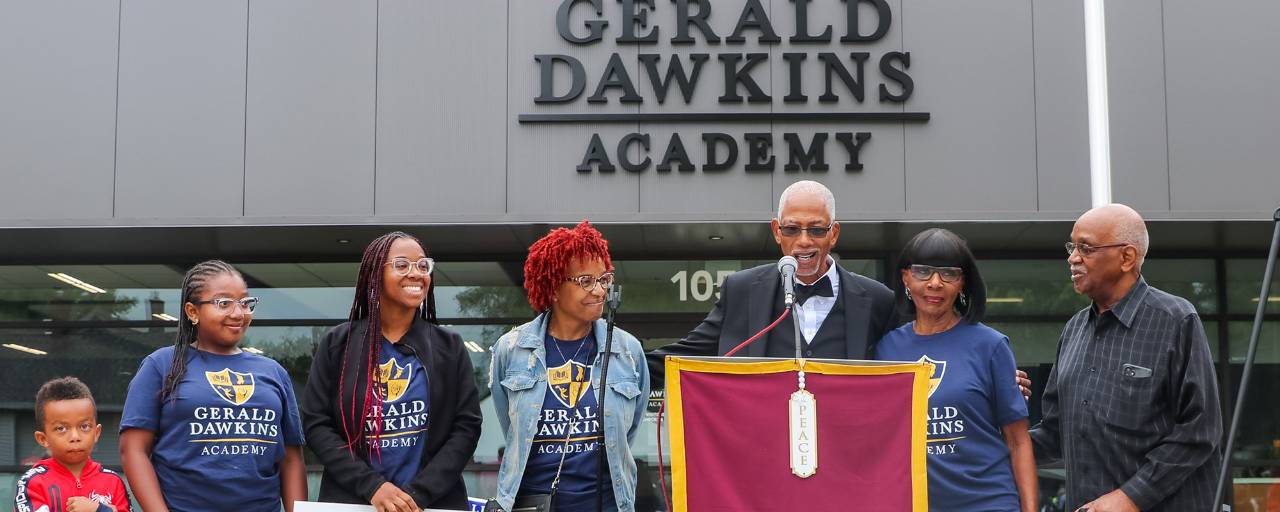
[748, 299]
[453, 424]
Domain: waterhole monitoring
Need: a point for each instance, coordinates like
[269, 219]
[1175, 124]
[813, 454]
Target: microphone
[614, 296]
[787, 267]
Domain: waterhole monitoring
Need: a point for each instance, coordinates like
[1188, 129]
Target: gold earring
[195, 321]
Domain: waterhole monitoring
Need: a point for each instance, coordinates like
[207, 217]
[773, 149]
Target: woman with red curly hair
[545, 378]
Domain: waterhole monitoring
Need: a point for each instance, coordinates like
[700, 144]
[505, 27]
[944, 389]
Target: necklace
[556, 343]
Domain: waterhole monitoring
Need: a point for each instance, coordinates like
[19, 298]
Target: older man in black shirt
[1132, 403]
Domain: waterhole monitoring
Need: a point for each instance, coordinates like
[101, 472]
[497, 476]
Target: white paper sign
[311, 506]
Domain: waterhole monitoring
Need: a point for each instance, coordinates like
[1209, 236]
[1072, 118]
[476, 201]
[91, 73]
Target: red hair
[550, 257]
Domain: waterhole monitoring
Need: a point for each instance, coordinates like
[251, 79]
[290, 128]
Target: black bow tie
[821, 288]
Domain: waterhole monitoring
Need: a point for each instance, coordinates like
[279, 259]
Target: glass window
[104, 358]
[85, 292]
[692, 286]
[1244, 283]
[1190, 279]
[1030, 287]
[1259, 435]
[1033, 343]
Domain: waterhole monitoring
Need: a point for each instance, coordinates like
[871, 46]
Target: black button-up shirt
[1132, 404]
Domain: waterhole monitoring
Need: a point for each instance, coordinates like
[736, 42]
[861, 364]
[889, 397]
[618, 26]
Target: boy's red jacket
[49, 484]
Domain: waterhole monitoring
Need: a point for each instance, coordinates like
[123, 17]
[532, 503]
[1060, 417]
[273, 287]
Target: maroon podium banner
[734, 445]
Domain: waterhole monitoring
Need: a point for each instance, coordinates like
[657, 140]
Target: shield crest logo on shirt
[232, 386]
[393, 380]
[939, 369]
[571, 381]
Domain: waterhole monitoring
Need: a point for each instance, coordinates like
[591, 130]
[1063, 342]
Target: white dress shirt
[816, 308]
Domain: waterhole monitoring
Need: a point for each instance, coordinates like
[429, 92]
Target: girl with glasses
[979, 452]
[206, 425]
[391, 409]
[545, 379]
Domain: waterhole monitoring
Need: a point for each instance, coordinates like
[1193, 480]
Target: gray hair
[809, 187]
[1125, 225]
[1133, 231]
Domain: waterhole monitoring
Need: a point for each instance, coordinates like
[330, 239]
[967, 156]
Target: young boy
[69, 481]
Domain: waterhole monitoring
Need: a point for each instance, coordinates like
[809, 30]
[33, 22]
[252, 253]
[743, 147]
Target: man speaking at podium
[841, 314]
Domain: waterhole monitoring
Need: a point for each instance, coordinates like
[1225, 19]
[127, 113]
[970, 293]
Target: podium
[740, 441]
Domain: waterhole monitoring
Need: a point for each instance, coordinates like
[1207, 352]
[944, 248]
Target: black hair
[193, 283]
[941, 248]
[368, 304]
[65, 388]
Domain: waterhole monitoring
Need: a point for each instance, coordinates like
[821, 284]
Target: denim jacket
[518, 379]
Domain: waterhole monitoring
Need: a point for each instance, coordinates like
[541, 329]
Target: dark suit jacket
[746, 305]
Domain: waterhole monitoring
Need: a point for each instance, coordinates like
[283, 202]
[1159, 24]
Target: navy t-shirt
[568, 407]
[396, 452]
[221, 434]
[972, 396]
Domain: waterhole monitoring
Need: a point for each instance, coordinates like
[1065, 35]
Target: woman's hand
[390, 498]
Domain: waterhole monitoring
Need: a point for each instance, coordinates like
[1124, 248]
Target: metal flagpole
[1095, 58]
[1248, 364]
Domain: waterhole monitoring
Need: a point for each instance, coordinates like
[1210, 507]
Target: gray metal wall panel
[310, 116]
[700, 193]
[442, 81]
[879, 187]
[1004, 84]
[542, 182]
[977, 152]
[57, 108]
[1062, 121]
[180, 149]
[1222, 120]
[1135, 69]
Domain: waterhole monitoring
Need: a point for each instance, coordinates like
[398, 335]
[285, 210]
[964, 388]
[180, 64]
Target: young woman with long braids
[207, 426]
[391, 409]
[545, 378]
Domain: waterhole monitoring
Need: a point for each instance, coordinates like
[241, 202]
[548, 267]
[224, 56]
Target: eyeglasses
[589, 283]
[224, 304]
[814, 232]
[401, 266]
[926, 272]
[1087, 250]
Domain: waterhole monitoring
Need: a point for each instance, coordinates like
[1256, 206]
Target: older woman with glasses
[545, 378]
[391, 408]
[979, 451]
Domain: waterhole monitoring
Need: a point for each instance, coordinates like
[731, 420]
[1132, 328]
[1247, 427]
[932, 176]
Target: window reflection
[104, 358]
[1029, 287]
[1244, 282]
[1190, 279]
[1259, 435]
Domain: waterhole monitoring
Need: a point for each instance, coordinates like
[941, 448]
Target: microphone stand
[795, 324]
[614, 299]
[1248, 363]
